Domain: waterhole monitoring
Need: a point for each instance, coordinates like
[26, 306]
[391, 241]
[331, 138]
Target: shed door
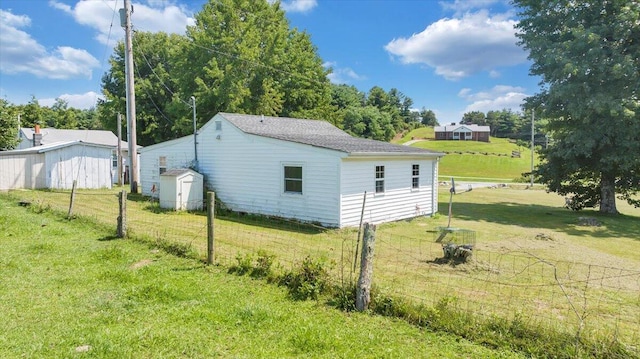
[185, 194]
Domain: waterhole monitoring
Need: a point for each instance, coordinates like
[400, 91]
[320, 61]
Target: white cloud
[460, 47]
[21, 53]
[343, 75]
[154, 16]
[302, 6]
[83, 101]
[498, 98]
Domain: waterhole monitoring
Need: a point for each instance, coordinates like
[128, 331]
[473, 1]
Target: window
[114, 160]
[218, 125]
[293, 179]
[415, 176]
[162, 164]
[379, 179]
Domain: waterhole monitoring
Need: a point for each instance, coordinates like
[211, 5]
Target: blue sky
[448, 56]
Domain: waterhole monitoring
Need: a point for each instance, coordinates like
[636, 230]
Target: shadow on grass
[277, 223]
[554, 218]
[446, 261]
[109, 238]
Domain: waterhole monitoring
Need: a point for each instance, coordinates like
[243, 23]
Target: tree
[243, 57]
[32, 113]
[428, 117]
[8, 126]
[588, 55]
[473, 117]
[161, 112]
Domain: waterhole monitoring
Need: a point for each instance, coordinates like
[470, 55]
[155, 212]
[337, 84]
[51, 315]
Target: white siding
[90, 166]
[57, 168]
[399, 200]
[22, 171]
[179, 154]
[247, 173]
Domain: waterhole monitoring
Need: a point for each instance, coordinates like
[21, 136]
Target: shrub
[244, 265]
[309, 280]
[263, 266]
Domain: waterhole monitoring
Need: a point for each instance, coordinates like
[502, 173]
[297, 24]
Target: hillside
[486, 161]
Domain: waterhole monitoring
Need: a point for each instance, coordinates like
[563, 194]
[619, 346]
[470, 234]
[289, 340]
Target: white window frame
[379, 179]
[162, 164]
[415, 176]
[285, 179]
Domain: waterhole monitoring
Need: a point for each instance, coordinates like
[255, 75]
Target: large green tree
[587, 54]
[8, 126]
[160, 110]
[243, 57]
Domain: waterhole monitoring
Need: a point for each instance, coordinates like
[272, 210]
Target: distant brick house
[463, 133]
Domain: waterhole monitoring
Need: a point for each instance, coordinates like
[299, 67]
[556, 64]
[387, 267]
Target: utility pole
[125, 20]
[532, 144]
[195, 135]
[119, 155]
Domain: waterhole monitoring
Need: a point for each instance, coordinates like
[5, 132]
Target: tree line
[243, 57]
[58, 115]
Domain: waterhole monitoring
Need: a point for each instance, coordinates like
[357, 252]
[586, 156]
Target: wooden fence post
[211, 201]
[363, 290]
[73, 198]
[122, 214]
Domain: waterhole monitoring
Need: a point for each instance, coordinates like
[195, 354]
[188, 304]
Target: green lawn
[510, 257]
[480, 161]
[70, 289]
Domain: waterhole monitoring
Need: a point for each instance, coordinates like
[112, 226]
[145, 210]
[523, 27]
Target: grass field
[70, 290]
[490, 162]
[533, 258]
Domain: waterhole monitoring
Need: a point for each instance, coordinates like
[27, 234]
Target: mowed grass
[533, 259]
[70, 289]
[484, 161]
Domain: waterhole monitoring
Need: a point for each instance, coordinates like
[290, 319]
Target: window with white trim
[379, 179]
[415, 176]
[162, 164]
[293, 179]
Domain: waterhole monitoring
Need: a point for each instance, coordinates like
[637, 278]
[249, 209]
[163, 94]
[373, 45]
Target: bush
[309, 280]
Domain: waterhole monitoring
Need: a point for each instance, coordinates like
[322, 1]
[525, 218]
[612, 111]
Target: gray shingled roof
[53, 135]
[316, 133]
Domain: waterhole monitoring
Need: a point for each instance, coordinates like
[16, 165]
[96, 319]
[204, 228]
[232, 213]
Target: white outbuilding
[308, 170]
[56, 166]
[181, 189]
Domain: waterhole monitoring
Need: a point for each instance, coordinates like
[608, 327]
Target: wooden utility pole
[533, 134]
[119, 154]
[131, 96]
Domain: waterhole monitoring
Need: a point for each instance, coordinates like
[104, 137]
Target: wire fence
[579, 298]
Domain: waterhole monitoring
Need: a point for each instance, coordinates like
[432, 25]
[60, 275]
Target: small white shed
[181, 189]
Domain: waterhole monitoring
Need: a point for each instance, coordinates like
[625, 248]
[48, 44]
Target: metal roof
[50, 147]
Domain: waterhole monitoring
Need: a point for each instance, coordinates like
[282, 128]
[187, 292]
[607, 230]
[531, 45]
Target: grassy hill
[490, 161]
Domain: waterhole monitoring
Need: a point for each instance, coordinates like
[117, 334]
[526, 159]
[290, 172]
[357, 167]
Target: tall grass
[514, 274]
[70, 289]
